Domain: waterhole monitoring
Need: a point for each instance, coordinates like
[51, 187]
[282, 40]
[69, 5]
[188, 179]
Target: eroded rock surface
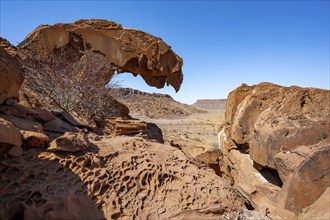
[69, 142]
[11, 76]
[132, 127]
[33, 139]
[127, 50]
[68, 66]
[127, 178]
[9, 137]
[276, 145]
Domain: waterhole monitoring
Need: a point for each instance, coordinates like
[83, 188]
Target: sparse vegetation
[79, 86]
[196, 127]
[198, 139]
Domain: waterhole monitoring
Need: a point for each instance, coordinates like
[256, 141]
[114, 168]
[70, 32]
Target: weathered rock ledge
[126, 49]
[276, 147]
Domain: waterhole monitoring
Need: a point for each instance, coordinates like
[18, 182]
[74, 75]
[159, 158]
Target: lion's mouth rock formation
[69, 64]
[127, 50]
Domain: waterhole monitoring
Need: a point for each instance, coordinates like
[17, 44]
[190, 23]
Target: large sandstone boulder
[133, 127]
[23, 124]
[11, 76]
[69, 142]
[33, 139]
[124, 126]
[59, 126]
[319, 209]
[128, 50]
[283, 135]
[9, 136]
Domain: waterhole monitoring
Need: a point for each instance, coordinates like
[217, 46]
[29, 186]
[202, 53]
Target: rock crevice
[286, 164]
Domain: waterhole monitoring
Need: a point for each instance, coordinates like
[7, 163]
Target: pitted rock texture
[127, 50]
[127, 178]
[281, 135]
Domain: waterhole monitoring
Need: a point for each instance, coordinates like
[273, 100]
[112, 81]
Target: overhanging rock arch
[126, 50]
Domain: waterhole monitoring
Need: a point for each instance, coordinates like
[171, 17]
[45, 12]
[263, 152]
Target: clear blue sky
[223, 43]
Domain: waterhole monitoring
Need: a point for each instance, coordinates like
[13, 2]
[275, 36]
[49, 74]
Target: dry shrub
[75, 82]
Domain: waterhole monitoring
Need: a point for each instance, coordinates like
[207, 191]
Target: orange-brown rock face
[126, 178]
[277, 143]
[11, 76]
[127, 50]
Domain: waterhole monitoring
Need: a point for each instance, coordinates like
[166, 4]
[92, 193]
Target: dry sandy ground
[195, 127]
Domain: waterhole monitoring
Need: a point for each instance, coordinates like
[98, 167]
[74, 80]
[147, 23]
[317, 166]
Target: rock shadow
[43, 185]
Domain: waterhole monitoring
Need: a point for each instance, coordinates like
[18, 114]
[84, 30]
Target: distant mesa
[152, 105]
[276, 145]
[210, 104]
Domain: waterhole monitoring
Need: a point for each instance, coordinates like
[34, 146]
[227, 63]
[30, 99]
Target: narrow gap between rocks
[271, 175]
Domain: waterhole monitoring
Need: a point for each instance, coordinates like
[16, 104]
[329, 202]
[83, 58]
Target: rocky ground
[202, 127]
[266, 157]
[64, 161]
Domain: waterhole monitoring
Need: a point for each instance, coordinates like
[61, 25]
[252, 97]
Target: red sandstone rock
[34, 139]
[69, 142]
[11, 76]
[282, 130]
[127, 49]
[9, 136]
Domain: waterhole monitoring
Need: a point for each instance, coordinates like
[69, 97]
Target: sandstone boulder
[15, 151]
[123, 126]
[34, 139]
[43, 115]
[59, 126]
[23, 124]
[132, 127]
[11, 76]
[319, 209]
[66, 116]
[154, 132]
[9, 136]
[283, 135]
[19, 111]
[69, 142]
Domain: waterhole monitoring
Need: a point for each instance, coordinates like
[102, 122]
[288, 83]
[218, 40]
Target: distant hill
[152, 105]
[210, 104]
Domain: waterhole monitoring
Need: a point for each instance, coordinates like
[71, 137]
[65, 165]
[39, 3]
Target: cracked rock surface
[276, 145]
